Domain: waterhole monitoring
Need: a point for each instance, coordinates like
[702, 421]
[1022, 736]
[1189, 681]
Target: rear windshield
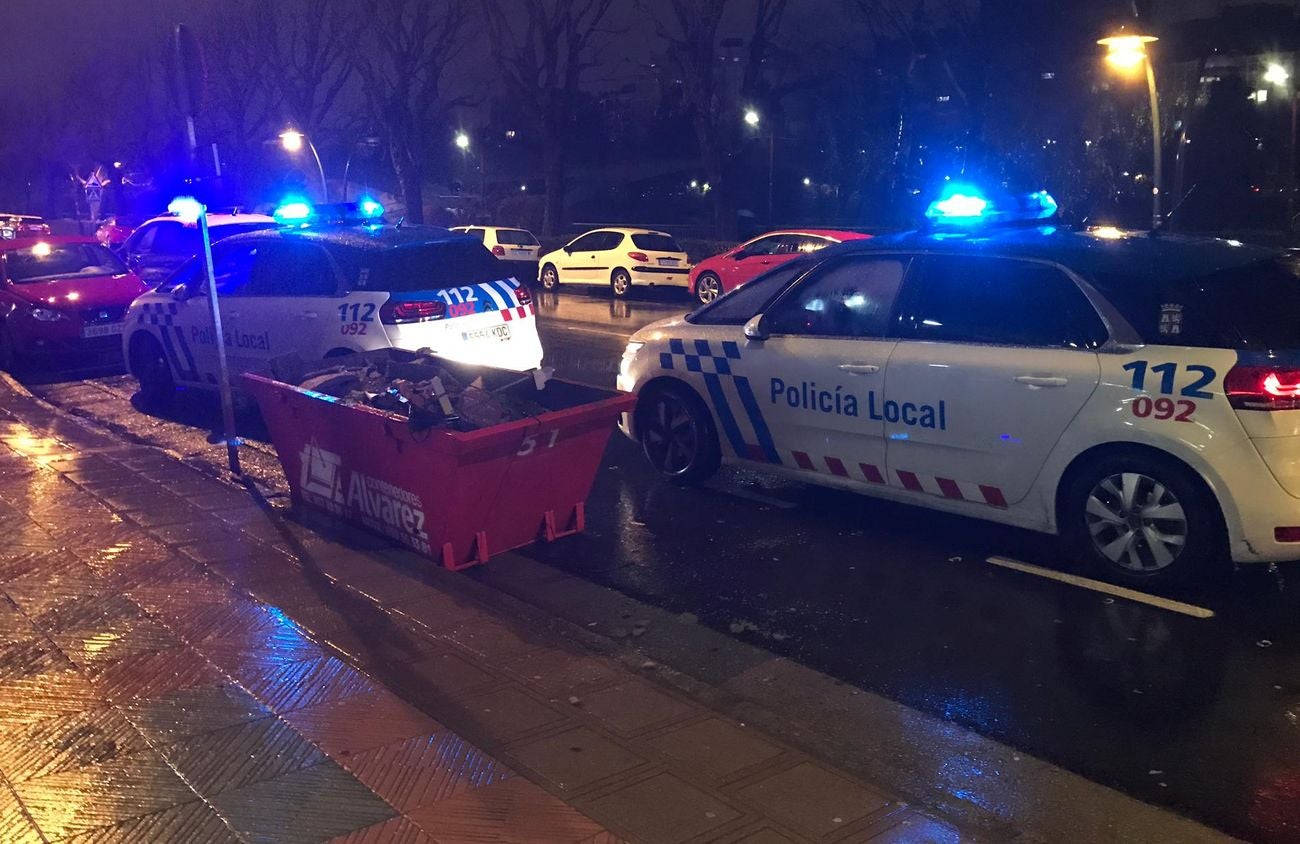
[655, 243]
[425, 266]
[516, 237]
[744, 303]
[1249, 307]
[48, 261]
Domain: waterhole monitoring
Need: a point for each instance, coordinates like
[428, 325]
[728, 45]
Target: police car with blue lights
[330, 281]
[1136, 393]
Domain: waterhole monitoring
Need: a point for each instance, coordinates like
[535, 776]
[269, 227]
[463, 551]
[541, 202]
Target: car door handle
[859, 368]
[308, 315]
[1042, 380]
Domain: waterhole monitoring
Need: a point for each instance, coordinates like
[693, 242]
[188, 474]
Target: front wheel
[707, 288]
[621, 283]
[150, 367]
[550, 278]
[1142, 519]
[678, 436]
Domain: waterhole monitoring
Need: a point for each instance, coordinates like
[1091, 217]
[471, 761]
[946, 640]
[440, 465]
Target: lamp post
[463, 144]
[1277, 75]
[752, 120]
[292, 140]
[1126, 52]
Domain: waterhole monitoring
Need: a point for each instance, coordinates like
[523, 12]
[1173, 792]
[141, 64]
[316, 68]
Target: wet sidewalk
[183, 661]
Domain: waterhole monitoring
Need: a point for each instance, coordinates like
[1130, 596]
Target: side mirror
[568, 250]
[756, 329]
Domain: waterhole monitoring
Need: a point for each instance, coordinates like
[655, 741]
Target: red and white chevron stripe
[912, 481]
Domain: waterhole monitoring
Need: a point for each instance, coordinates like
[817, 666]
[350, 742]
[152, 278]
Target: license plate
[7, 234]
[496, 332]
[667, 262]
[106, 330]
[524, 250]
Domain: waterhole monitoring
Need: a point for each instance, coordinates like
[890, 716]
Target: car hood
[661, 330]
[94, 291]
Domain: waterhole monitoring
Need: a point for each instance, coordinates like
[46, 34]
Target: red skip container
[456, 497]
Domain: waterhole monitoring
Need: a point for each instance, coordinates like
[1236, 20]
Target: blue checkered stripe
[728, 388]
[163, 315]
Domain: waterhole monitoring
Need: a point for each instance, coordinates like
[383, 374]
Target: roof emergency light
[967, 206]
[187, 209]
[369, 208]
[293, 211]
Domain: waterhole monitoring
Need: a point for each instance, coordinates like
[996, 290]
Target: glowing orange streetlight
[1126, 52]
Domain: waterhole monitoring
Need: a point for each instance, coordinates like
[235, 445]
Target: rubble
[427, 390]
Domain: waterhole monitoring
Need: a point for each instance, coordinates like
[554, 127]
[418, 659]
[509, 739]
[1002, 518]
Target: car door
[288, 305]
[750, 261]
[185, 324]
[822, 365]
[582, 256]
[995, 358]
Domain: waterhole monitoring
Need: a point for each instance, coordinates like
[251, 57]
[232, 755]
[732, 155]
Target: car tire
[150, 368]
[549, 278]
[1141, 518]
[620, 281]
[677, 435]
[707, 288]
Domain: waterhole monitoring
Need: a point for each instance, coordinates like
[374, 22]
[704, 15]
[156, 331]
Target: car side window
[478, 233]
[762, 246]
[232, 265]
[853, 297]
[589, 242]
[142, 240]
[811, 244]
[610, 240]
[175, 239]
[291, 269]
[999, 301]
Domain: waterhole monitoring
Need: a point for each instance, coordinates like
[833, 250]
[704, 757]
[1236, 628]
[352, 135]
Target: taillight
[1263, 388]
[638, 256]
[522, 294]
[396, 313]
[498, 250]
[1286, 534]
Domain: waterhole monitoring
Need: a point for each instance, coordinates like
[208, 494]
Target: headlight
[45, 314]
[628, 355]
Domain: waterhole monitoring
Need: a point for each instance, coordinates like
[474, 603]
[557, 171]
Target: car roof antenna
[401, 220]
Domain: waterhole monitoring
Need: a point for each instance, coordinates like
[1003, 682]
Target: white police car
[1138, 394]
[325, 292]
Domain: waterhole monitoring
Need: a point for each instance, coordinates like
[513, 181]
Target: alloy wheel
[671, 435]
[708, 288]
[1136, 522]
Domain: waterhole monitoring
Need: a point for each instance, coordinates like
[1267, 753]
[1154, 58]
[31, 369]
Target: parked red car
[723, 273]
[21, 225]
[61, 295]
[114, 231]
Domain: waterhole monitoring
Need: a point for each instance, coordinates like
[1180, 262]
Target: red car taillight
[498, 250]
[638, 256]
[396, 313]
[1263, 388]
[522, 294]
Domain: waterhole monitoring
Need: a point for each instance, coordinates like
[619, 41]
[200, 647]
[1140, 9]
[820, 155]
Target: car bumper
[661, 276]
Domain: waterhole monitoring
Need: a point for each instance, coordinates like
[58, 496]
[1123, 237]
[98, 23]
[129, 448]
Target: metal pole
[223, 372]
[1156, 152]
[771, 159]
[1290, 168]
[324, 188]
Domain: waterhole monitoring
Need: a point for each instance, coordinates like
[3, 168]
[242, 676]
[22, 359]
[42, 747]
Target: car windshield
[655, 243]
[49, 261]
[516, 237]
[425, 266]
[1247, 307]
[744, 303]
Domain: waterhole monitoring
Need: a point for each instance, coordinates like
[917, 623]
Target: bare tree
[542, 55]
[243, 99]
[309, 44]
[402, 55]
[690, 28]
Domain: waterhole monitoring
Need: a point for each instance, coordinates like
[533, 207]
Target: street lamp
[1126, 52]
[292, 140]
[752, 119]
[462, 142]
[1277, 75]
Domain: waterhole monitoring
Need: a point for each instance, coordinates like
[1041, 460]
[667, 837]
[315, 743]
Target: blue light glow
[186, 208]
[958, 204]
[293, 211]
[369, 208]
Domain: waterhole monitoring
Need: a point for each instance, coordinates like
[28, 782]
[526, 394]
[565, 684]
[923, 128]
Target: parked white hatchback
[517, 247]
[619, 258]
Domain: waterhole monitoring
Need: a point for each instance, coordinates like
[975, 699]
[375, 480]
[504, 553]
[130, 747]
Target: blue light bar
[293, 211]
[186, 208]
[958, 206]
[369, 208]
[965, 206]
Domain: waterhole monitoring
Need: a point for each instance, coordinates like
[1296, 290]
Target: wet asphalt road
[1202, 716]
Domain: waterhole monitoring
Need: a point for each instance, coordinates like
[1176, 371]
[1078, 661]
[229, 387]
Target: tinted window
[290, 269]
[44, 262]
[655, 243]
[609, 240]
[516, 237]
[1249, 307]
[811, 244]
[232, 265]
[421, 266]
[142, 240]
[848, 298]
[964, 299]
[480, 234]
[175, 239]
[742, 304]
